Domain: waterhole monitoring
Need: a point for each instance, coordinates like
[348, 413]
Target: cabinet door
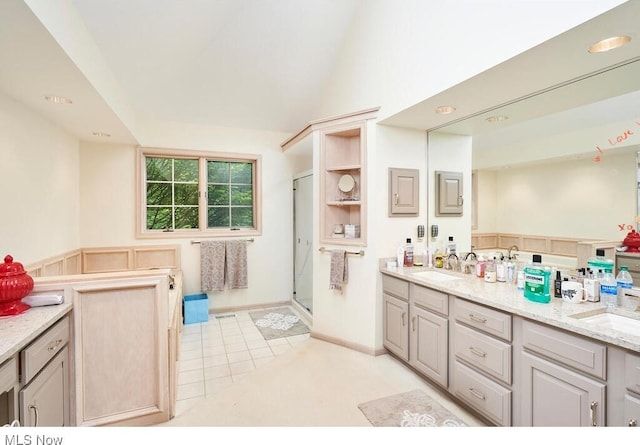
[428, 342]
[403, 191]
[45, 400]
[396, 331]
[556, 396]
[631, 410]
[449, 197]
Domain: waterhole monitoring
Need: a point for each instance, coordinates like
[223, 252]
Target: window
[197, 193]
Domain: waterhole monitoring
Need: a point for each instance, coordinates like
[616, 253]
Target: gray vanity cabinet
[632, 385]
[563, 378]
[45, 373]
[395, 316]
[416, 327]
[429, 333]
[482, 360]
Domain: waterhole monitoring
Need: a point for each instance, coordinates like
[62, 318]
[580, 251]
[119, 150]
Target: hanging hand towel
[237, 264]
[339, 269]
[212, 265]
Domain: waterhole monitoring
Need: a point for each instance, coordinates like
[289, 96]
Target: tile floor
[215, 354]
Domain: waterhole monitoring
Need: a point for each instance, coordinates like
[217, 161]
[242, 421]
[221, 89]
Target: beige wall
[576, 199]
[39, 184]
[108, 207]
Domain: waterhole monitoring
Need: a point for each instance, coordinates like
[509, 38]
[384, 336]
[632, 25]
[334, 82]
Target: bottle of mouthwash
[537, 279]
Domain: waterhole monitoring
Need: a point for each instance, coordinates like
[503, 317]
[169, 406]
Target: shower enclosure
[303, 241]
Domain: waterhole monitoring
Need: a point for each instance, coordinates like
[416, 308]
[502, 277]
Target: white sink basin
[608, 320]
[435, 276]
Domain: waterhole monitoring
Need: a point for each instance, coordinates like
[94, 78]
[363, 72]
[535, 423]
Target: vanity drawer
[40, 351]
[483, 352]
[578, 352]
[483, 318]
[486, 396]
[632, 372]
[430, 299]
[8, 375]
[395, 286]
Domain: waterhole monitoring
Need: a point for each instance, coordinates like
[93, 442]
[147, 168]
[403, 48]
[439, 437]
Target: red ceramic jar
[15, 284]
[632, 241]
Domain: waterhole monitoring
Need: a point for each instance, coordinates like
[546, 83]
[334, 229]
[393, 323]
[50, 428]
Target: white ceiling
[264, 65]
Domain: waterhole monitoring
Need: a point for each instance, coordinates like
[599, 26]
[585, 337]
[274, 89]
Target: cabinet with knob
[632, 386]
[44, 397]
[563, 378]
[482, 360]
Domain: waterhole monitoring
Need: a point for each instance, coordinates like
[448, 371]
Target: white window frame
[203, 156]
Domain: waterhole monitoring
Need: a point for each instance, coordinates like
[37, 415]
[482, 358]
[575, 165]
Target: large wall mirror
[555, 131]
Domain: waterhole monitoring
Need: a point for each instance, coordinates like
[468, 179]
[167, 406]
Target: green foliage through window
[230, 194]
[173, 190]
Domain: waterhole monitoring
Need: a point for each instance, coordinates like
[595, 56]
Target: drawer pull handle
[35, 412]
[477, 352]
[475, 318]
[633, 422]
[413, 324]
[404, 323]
[592, 413]
[55, 345]
[477, 394]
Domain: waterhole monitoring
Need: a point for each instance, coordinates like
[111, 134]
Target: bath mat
[413, 408]
[278, 323]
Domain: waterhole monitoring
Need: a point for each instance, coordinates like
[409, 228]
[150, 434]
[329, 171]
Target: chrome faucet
[515, 256]
[449, 264]
[466, 257]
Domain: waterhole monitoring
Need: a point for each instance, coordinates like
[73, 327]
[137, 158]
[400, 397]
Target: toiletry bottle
[480, 267]
[501, 271]
[520, 280]
[624, 279]
[609, 290]
[451, 247]
[408, 253]
[511, 271]
[537, 281]
[600, 262]
[557, 285]
[400, 256]
[490, 272]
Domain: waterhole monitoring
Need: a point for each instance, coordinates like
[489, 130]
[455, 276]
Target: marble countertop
[507, 298]
[18, 331]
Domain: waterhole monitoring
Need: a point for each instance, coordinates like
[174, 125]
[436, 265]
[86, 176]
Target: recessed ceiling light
[101, 134]
[609, 44]
[58, 99]
[445, 109]
[493, 119]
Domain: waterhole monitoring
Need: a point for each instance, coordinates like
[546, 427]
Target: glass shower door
[303, 241]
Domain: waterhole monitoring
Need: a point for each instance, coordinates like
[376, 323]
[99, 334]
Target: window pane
[241, 195]
[218, 217]
[159, 218]
[217, 172]
[218, 195]
[186, 170]
[159, 169]
[241, 173]
[186, 194]
[159, 193]
[241, 217]
[186, 217]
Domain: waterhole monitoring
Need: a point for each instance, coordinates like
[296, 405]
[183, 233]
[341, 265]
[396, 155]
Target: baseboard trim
[248, 307]
[347, 344]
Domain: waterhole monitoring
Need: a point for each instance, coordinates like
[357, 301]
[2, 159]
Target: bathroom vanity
[106, 356]
[512, 361]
